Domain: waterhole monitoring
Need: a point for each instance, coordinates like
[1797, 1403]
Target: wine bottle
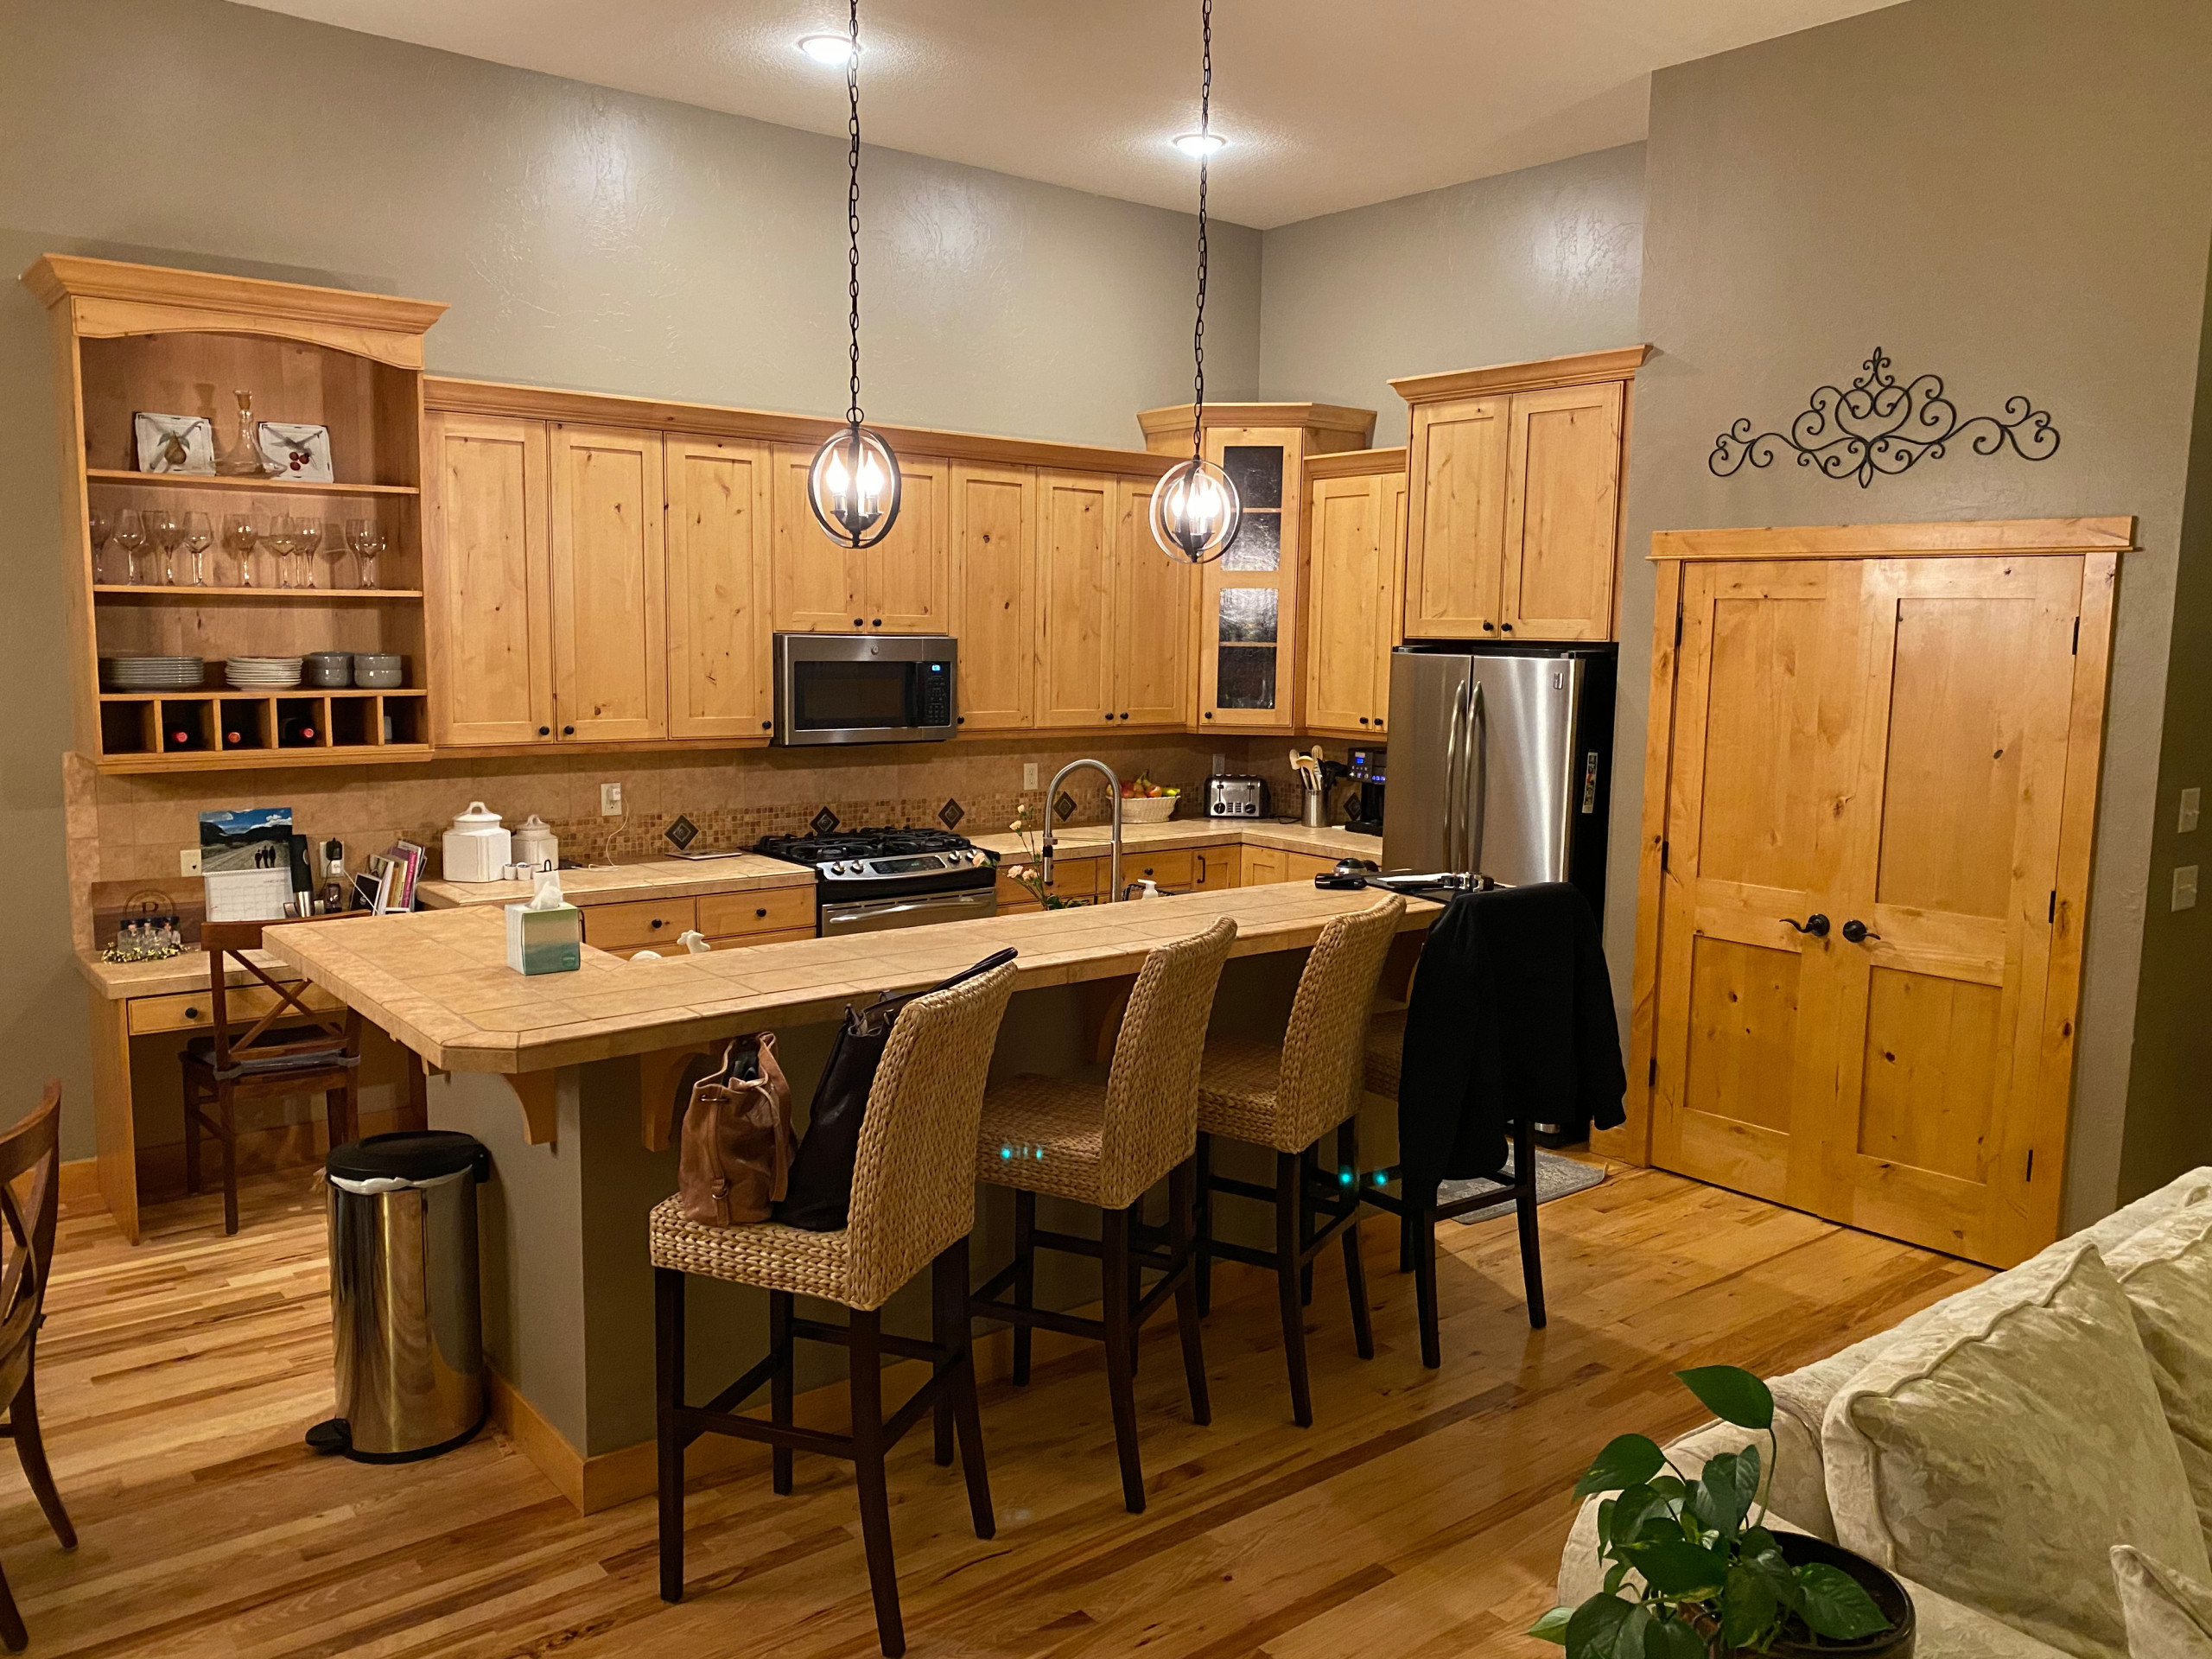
[183, 735]
[295, 731]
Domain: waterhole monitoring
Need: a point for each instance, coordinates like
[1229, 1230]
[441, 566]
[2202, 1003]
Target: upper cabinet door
[993, 611]
[1563, 513]
[610, 658]
[491, 600]
[1397, 497]
[819, 586]
[1152, 626]
[718, 514]
[909, 586]
[1456, 465]
[1076, 602]
[1349, 611]
[1249, 603]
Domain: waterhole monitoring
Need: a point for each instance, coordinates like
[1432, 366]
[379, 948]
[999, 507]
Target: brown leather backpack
[736, 1152]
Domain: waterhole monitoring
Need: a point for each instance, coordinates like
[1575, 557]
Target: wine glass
[239, 535]
[308, 533]
[365, 536]
[166, 528]
[333, 547]
[131, 541]
[198, 534]
[101, 525]
[282, 539]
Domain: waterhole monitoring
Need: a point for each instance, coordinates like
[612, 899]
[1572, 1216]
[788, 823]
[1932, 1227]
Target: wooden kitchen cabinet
[609, 580]
[1355, 559]
[994, 583]
[901, 585]
[491, 593]
[1514, 497]
[721, 508]
[1075, 592]
[1152, 609]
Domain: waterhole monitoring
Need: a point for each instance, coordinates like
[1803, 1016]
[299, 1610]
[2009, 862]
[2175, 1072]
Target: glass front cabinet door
[1248, 619]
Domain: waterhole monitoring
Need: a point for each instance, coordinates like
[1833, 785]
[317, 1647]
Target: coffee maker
[1363, 805]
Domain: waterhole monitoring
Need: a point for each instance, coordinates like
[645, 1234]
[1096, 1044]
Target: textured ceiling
[1329, 104]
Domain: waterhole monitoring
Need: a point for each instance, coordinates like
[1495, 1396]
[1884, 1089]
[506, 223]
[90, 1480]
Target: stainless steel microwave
[865, 687]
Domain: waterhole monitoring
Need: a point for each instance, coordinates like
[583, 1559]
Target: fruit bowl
[1149, 809]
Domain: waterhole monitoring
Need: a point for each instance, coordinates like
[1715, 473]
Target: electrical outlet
[2185, 887]
[1029, 774]
[2192, 807]
[610, 800]
[188, 861]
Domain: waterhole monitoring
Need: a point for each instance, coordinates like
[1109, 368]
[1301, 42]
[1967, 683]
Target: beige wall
[583, 238]
[1535, 264]
[2016, 194]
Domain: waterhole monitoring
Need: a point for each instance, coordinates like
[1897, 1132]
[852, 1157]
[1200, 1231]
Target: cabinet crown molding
[1356, 463]
[1159, 423]
[56, 276]
[1967, 538]
[1619, 363]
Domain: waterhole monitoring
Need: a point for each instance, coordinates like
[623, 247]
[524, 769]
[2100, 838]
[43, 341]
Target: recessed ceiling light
[1201, 143]
[828, 48]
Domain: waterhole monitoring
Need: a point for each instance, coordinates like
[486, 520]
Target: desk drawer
[654, 922]
[764, 910]
[195, 1010]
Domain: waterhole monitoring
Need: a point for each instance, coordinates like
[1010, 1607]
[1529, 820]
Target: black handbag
[819, 1193]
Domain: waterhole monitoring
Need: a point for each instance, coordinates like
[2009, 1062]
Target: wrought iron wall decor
[1879, 427]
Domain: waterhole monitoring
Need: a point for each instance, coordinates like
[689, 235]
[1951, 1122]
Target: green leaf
[1760, 1553]
[1593, 1630]
[1836, 1606]
[1680, 1570]
[1750, 1609]
[1631, 1460]
[1631, 1511]
[1724, 1492]
[1672, 1638]
[1616, 1575]
[1607, 1508]
[1551, 1627]
[1732, 1395]
[1669, 1487]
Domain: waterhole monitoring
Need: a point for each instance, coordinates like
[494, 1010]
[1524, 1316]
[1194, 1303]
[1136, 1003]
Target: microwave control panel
[935, 693]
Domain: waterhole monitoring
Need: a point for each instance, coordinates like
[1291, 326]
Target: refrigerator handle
[1454, 796]
[1478, 786]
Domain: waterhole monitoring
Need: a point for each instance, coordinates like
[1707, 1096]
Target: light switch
[2185, 887]
[1029, 774]
[2192, 804]
[188, 861]
[610, 800]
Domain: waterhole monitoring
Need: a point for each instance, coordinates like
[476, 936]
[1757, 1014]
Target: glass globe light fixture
[853, 486]
[1195, 512]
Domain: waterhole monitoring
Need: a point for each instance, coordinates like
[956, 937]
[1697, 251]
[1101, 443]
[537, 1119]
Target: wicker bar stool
[1107, 1144]
[1287, 1098]
[1386, 1043]
[913, 1204]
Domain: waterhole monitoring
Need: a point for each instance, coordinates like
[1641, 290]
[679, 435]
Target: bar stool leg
[948, 1320]
[1524, 1204]
[1290, 1174]
[1025, 1277]
[1424, 1226]
[1405, 1240]
[1121, 1378]
[668, 1399]
[952, 1287]
[1135, 1276]
[1309, 1163]
[1182, 1225]
[1203, 1266]
[864, 1354]
[780, 1304]
[1363, 1327]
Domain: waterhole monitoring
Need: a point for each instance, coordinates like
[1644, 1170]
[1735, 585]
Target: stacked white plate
[152, 673]
[263, 673]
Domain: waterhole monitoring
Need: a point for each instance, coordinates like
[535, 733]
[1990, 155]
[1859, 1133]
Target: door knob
[1858, 933]
[1816, 924]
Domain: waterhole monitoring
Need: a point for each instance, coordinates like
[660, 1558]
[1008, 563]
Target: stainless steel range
[866, 880]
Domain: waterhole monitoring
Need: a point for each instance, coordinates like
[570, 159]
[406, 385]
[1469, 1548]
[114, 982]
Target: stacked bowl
[262, 673]
[120, 673]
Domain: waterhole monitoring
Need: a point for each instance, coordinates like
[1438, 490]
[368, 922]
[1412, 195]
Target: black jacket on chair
[1511, 1016]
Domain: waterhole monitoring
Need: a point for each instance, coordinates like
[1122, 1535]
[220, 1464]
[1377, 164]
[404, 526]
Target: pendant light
[1195, 512]
[854, 484]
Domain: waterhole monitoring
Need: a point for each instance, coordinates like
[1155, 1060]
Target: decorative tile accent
[949, 815]
[822, 822]
[682, 833]
[1064, 806]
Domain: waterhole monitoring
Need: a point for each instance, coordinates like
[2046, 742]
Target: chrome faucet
[1113, 792]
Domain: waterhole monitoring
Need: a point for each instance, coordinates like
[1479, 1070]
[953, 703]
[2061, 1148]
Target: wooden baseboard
[80, 1195]
[281, 1146]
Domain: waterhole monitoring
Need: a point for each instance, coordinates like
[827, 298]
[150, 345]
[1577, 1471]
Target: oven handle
[985, 900]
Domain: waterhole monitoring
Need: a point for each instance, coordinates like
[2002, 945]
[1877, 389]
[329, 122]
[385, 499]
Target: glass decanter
[242, 457]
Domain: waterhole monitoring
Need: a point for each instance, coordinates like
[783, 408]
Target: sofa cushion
[2167, 1270]
[1998, 1453]
[2169, 1614]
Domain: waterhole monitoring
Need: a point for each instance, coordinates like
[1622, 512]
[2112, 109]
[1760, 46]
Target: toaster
[1236, 798]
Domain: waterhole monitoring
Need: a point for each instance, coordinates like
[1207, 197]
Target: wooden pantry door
[1744, 1043]
[1948, 1121]
[610, 657]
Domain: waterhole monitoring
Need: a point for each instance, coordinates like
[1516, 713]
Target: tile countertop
[120, 980]
[438, 980]
[1090, 840]
[660, 877]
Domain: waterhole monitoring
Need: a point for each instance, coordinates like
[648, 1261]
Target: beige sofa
[2022, 1354]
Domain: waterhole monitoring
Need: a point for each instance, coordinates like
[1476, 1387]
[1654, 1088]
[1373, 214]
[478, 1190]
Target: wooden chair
[913, 1206]
[265, 1060]
[1386, 1041]
[1107, 1144]
[31, 1149]
[1286, 1098]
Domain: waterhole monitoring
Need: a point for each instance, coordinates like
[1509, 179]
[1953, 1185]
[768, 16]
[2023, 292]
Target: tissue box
[545, 941]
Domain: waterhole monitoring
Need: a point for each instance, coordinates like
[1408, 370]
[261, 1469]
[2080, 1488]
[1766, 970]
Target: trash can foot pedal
[331, 1437]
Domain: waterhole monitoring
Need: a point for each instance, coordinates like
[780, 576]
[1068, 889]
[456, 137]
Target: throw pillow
[2167, 1270]
[1998, 1454]
[2169, 1614]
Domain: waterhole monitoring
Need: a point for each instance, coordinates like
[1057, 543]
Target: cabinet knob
[1109, 714]
[656, 922]
[767, 725]
[962, 721]
[1209, 714]
[568, 731]
[1125, 714]
[191, 1013]
[1363, 720]
[856, 622]
[761, 914]
[1489, 628]
[1505, 628]
[876, 623]
[545, 731]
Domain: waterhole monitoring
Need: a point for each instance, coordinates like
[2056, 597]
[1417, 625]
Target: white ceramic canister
[478, 845]
[537, 845]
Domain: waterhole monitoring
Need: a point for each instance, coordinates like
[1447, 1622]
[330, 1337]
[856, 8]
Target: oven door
[835, 688]
[917, 910]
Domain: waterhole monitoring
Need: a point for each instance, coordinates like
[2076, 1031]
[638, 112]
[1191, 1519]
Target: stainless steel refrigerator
[1501, 763]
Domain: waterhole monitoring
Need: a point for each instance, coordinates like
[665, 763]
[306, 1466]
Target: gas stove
[868, 879]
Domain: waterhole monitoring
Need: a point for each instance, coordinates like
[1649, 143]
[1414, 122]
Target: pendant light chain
[853, 205]
[1198, 332]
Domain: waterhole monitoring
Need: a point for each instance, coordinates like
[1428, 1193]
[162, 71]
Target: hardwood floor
[1421, 1516]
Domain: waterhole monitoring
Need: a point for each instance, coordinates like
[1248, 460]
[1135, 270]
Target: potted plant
[1028, 873]
[1692, 1572]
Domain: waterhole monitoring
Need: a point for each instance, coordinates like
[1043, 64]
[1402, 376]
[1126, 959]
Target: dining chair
[30, 1190]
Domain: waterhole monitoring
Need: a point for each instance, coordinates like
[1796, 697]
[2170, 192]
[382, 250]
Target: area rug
[1556, 1177]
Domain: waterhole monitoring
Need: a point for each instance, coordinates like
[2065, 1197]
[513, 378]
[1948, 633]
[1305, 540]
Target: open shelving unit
[131, 338]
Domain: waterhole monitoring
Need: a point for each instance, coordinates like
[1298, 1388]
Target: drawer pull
[762, 913]
[191, 1013]
[657, 922]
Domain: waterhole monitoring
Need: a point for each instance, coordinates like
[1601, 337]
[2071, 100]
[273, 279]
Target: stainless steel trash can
[404, 1299]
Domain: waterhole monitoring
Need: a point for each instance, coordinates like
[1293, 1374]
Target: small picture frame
[173, 443]
[296, 451]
